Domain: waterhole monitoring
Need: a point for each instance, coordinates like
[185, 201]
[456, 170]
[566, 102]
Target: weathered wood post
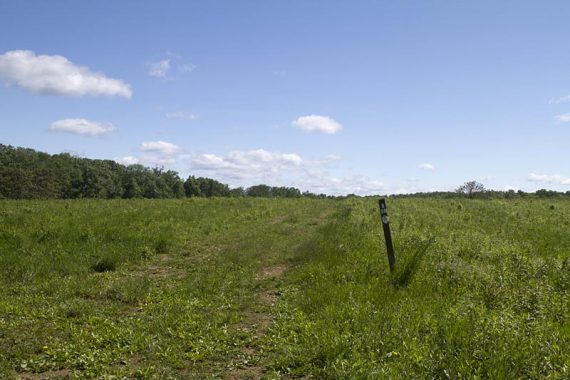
[387, 235]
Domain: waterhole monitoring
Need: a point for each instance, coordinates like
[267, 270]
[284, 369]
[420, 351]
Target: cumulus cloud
[251, 167]
[246, 168]
[561, 99]
[345, 185]
[563, 118]
[155, 153]
[127, 160]
[55, 74]
[187, 67]
[81, 127]
[316, 123]
[159, 69]
[247, 164]
[554, 179]
[426, 166]
[148, 160]
[161, 147]
[183, 115]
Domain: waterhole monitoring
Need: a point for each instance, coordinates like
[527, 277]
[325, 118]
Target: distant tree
[471, 189]
[259, 191]
[543, 193]
[205, 187]
[212, 188]
[510, 194]
[178, 189]
[132, 189]
[191, 187]
[28, 174]
[286, 192]
[237, 192]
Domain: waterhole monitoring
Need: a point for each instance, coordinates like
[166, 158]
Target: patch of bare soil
[278, 219]
[59, 374]
[258, 320]
[159, 268]
[273, 271]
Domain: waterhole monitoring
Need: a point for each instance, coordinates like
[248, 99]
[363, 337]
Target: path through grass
[185, 290]
[273, 288]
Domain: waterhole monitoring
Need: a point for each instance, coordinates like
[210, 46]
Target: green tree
[259, 191]
[471, 189]
[192, 188]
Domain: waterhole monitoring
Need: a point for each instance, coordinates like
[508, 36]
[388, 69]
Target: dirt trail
[258, 319]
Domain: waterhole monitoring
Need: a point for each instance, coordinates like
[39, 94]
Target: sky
[365, 97]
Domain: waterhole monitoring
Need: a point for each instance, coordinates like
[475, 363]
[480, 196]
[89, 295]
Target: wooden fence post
[387, 235]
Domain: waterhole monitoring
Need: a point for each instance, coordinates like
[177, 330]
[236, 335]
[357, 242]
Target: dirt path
[258, 319]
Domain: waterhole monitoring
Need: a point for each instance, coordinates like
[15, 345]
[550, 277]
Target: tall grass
[479, 291]
[137, 289]
[163, 288]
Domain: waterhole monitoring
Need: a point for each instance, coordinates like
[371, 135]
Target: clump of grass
[409, 263]
[104, 264]
[162, 246]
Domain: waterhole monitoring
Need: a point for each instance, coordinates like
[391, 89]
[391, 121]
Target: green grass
[480, 290]
[178, 289]
[144, 289]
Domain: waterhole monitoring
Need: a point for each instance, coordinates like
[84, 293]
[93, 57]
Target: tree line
[474, 189]
[28, 174]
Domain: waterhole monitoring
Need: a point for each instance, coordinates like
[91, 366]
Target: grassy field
[277, 288]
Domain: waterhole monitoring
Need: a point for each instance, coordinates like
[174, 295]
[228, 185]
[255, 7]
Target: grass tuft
[408, 263]
[104, 265]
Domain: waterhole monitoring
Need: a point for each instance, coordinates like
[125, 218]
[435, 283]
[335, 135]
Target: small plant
[104, 265]
[162, 246]
[409, 264]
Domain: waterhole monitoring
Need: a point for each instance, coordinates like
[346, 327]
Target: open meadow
[239, 288]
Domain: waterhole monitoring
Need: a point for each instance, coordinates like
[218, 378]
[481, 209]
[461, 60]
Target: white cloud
[149, 160]
[157, 160]
[247, 164]
[562, 99]
[316, 123]
[159, 69]
[160, 147]
[187, 68]
[81, 127]
[155, 153]
[127, 160]
[183, 115]
[554, 179]
[246, 168]
[333, 157]
[426, 166]
[563, 118]
[344, 185]
[251, 167]
[54, 74]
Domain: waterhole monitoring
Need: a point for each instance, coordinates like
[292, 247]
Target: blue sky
[340, 97]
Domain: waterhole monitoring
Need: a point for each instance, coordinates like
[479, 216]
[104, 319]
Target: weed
[104, 265]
